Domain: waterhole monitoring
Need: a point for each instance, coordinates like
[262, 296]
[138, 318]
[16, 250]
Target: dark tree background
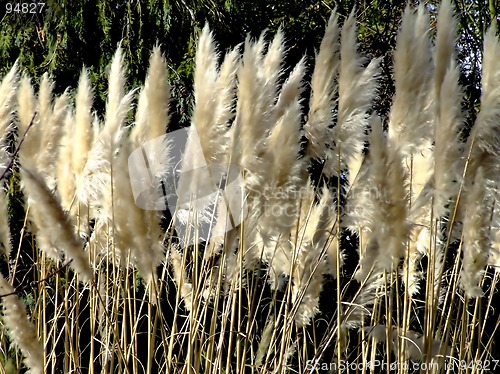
[69, 34]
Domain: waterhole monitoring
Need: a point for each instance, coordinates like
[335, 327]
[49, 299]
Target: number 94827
[24, 8]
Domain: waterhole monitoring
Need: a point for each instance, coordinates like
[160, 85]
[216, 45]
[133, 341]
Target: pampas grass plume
[8, 89]
[447, 144]
[356, 92]
[25, 112]
[323, 90]
[22, 331]
[389, 181]
[153, 108]
[410, 115]
[44, 107]
[50, 139]
[206, 107]
[66, 184]
[53, 223]
[5, 244]
[249, 130]
[225, 89]
[82, 133]
[486, 132]
[476, 240]
[445, 44]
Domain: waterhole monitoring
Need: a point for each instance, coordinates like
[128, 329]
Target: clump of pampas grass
[281, 267]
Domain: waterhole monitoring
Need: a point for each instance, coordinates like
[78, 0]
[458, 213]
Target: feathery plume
[26, 108]
[136, 230]
[447, 145]
[284, 139]
[207, 137]
[449, 118]
[411, 124]
[82, 133]
[270, 69]
[486, 131]
[323, 91]
[410, 116]
[8, 89]
[389, 181]
[307, 282]
[151, 122]
[66, 184]
[53, 224]
[412, 111]
[476, 240]
[44, 107]
[280, 198]
[494, 258]
[5, 244]
[253, 112]
[7, 95]
[116, 90]
[153, 108]
[356, 91]
[205, 81]
[51, 138]
[483, 170]
[419, 245]
[21, 329]
[291, 90]
[317, 254]
[445, 45]
[98, 172]
[225, 94]
[360, 215]
[277, 204]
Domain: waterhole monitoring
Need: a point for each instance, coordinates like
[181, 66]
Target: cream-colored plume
[7, 99]
[411, 113]
[388, 181]
[54, 230]
[51, 138]
[323, 91]
[21, 330]
[26, 108]
[476, 235]
[98, 172]
[357, 87]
